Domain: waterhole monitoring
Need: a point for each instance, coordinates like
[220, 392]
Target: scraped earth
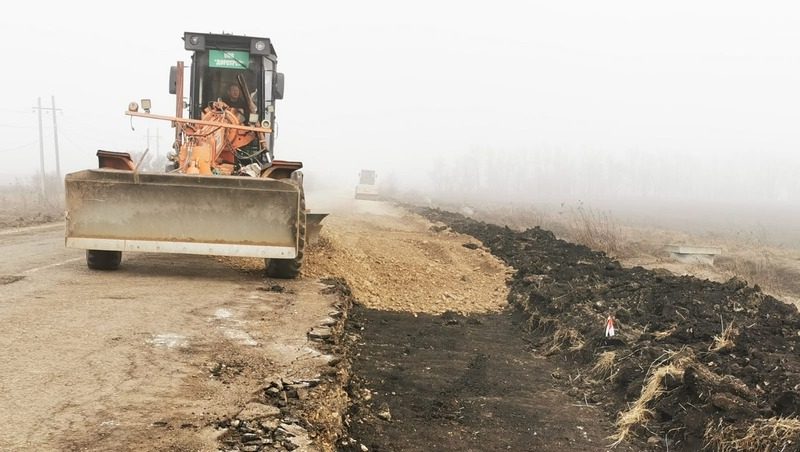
[438, 360]
[455, 382]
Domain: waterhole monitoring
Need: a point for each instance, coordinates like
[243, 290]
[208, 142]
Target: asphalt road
[130, 360]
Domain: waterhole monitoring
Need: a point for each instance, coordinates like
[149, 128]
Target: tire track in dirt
[453, 382]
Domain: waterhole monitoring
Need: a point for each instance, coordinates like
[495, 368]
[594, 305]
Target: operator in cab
[234, 98]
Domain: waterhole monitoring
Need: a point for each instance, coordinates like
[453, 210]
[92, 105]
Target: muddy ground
[461, 382]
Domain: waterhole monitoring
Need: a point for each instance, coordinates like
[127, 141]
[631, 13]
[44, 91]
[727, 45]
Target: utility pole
[41, 151]
[39, 108]
[55, 137]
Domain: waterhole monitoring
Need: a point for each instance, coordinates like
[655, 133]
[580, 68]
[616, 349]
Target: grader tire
[290, 268]
[103, 260]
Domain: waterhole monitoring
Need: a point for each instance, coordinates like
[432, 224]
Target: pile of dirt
[398, 261]
[694, 363]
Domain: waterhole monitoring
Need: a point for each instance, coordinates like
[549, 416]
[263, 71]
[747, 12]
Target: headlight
[194, 41]
[260, 46]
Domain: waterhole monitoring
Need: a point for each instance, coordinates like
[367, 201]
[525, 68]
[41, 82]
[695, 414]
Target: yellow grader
[223, 192]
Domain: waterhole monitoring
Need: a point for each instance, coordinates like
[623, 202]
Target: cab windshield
[220, 69]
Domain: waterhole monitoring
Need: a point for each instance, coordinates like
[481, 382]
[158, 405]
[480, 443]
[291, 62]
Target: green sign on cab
[228, 59]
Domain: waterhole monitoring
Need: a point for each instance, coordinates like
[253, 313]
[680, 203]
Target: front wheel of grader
[290, 268]
[103, 260]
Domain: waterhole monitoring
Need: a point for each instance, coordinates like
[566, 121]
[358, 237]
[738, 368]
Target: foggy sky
[400, 86]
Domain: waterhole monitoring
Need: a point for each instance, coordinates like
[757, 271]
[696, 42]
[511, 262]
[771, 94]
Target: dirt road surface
[150, 357]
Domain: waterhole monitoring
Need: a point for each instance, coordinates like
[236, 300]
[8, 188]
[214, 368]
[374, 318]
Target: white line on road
[34, 270]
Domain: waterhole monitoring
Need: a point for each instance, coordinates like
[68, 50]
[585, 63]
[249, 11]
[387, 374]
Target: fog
[542, 101]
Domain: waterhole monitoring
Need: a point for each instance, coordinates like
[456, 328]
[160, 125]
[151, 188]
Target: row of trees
[559, 175]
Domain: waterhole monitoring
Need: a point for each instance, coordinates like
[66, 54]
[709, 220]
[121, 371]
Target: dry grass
[596, 230]
[541, 325]
[568, 338]
[21, 204]
[773, 434]
[639, 413]
[604, 368]
[661, 335]
[764, 268]
[725, 339]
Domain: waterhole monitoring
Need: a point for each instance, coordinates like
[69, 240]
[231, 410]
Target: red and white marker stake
[610, 326]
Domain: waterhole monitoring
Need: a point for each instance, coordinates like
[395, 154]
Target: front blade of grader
[118, 210]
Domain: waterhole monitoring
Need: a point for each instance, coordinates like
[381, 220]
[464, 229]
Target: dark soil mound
[732, 348]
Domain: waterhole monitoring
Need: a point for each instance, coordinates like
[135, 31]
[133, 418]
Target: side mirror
[277, 86]
[173, 79]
